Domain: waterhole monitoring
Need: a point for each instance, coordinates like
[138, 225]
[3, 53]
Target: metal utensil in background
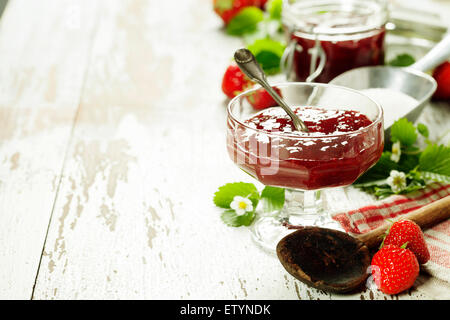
[409, 80]
[248, 64]
[3, 4]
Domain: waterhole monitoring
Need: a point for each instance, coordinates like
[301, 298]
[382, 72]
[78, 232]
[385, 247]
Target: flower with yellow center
[396, 151]
[397, 181]
[241, 205]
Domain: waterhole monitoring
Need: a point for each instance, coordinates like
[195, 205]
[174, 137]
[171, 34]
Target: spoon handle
[435, 56]
[425, 217]
[251, 68]
[298, 124]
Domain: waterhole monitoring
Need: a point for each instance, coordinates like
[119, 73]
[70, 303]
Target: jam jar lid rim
[382, 11]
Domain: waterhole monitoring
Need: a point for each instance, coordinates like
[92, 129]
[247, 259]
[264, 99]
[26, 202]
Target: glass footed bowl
[303, 163]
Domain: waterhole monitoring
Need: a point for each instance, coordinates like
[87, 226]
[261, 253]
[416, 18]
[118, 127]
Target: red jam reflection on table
[323, 158]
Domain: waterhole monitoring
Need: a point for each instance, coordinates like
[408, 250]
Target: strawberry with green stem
[407, 231]
[228, 9]
[394, 269]
[234, 81]
[261, 99]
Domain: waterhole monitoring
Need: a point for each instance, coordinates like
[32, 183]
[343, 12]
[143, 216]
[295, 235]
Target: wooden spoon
[334, 261]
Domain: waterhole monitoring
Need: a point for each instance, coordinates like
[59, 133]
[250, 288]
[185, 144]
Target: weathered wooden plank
[44, 46]
[120, 192]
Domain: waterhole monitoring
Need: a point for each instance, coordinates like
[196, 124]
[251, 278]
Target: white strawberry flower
[241, 205]
[397, 181]
[396, 151]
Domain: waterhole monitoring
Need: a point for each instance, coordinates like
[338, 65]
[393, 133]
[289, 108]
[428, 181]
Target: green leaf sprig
[262, 34]
[268, 53]
[402, 60]
[404, 166]
[245, 21]
[272, 199]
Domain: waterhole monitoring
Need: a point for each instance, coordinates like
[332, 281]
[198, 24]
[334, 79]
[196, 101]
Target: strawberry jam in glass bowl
[329, 37]
[345, 139]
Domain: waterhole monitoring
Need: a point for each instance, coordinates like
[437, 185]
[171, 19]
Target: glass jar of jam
[329, 37]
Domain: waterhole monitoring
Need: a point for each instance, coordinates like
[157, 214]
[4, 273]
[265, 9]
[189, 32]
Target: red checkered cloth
[437, 238]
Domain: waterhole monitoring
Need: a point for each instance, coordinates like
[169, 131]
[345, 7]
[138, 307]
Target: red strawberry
[227, 9]
[407, 231]
[394, 269]
[442, 76]
[261, 99]
[262, 4]
[235, 81]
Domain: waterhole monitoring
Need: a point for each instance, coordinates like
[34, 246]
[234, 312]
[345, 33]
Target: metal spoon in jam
[248, 65]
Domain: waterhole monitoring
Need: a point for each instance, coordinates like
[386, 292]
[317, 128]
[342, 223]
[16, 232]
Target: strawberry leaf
[423, 130]
[274, 8]
[380, 171]
[245, 21]
[224, 196]
[386, 233]
[404, 131]
[223, 5]
[435, 159]
[268, 53]
[273, 198]
[231, 219]
[402, 60]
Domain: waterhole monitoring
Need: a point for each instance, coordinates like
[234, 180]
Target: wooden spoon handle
[425, 217]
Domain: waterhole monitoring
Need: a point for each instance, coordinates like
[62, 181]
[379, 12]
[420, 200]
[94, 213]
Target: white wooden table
[112, 143]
